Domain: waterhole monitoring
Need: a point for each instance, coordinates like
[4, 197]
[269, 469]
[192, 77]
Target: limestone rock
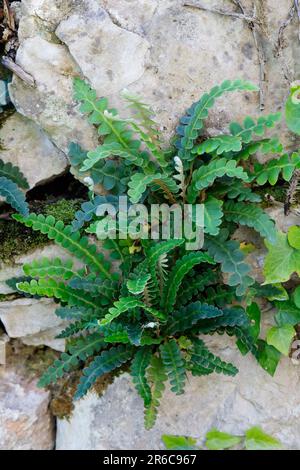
[26, 146]
[25, 420]
[4, 339]
[232, 404]
[33, 321]
[159, 49]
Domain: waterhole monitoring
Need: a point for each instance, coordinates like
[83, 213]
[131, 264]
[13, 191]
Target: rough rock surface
[25, 420]
[4, 339]
[231, 404]
[25, 145]
[33, 321]
[161, 49]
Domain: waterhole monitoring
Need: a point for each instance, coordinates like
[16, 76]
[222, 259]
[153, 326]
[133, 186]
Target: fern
[50, 268]
[72, 242]
[109, 150]
[181, 268]
[13, 195]
[139, 365]
[81, 349]
[138, 185]
[156, 377]
[106, 362]
[125, 304]
[193, 284]
[207, 174]
[203, 362]
[250, 126]
[192, 123]
[186, 317]
[212, 215]
[252, 216]
[227, 253]
[271, 171]
[14, 174]
[174, 365]
[89, 208]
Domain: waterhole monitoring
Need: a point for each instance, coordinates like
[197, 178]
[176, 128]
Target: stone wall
[169, 52]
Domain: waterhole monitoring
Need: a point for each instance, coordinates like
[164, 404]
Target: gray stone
[232, 404]
[23, 144]
[25, 419]
[33, 321]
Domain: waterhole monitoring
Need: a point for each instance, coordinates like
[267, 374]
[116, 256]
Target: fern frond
[46, 267]
[72, 313]
[157, 377]
[250, 126]
[79, 326]
[219, 296]
[180, 270]
[13, 195]
[105, 290]
[264, 146]
[232, 317]
[194, 284]
[204, 362]
[72, 242]
[80, 350]
[207, 174]
[110, 150]
[188, 316]
[138, 184]
[228, 254]
[88, 210]
[139, 365]
[212, 215]
[192, 123]
[218, 145]
[252, 216]
[179, 176]
[174, 365]
[137, 286]
[14, 174]
[51, 288]
[106, 362]
[115, 333]
[270, 171]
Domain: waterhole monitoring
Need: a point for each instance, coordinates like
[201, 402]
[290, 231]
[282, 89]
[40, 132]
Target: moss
[16, 239]
[269, 193]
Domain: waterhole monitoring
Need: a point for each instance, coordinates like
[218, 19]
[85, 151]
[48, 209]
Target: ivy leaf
[268, 357]
[281, 261]
[212, 215]
[179, 442]
[288, 313]
[281, 337]
[256, 439]
[296, 296]
[254, 315]
[217, 440]
[294, 237]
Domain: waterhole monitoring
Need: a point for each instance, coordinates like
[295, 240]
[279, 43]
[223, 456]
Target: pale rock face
[25, 420]
[232, 404]
[25, 145]
[33, 321]
[159, 49]
[4, 339]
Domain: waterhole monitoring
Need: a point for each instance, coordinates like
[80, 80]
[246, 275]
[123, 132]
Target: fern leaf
[115, 333]
[138, 184]
[207, 174]
[72, 242]
[124, 304]
[46, 267]
[105, 290]
[231, 317]
[139, 365]
[193, 284]
[264, 146]
[109, 150]
[212, 215]
[13, 195]
[192, 123]
[188, 316]
[156, 377]
[202, 358]
[79, 326]
[51, 288]
[180, 270]
[270, 171]
[251, 216]
[250, 126]
[137, 286]
[14, 174]
[106, 362]
[228, 253]
[219, 296]
[155, 253]
[88, 210]
[72, 313]
[81, 349]
[219, 144]
[236, 190]
[174, 365]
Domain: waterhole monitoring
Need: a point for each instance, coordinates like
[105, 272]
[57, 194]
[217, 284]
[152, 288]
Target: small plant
[11, 180]
[146, 303]
[254, 439]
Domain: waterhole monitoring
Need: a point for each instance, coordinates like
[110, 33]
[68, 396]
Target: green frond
[252, 216]
[203, 362]
[13, 195]
[212, 215]
[194, 284]
[269, 172]
[106, 362]
[192, 123]
[46, 267]
[139, 365]
[157, 377]
[13, 173]
[72, 242]
[174, 365]
[188, 316]
[180, 270]
[80, 350]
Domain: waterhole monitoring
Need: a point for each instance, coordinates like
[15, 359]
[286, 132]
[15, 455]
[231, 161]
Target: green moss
[16, 239]
[275, 192]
